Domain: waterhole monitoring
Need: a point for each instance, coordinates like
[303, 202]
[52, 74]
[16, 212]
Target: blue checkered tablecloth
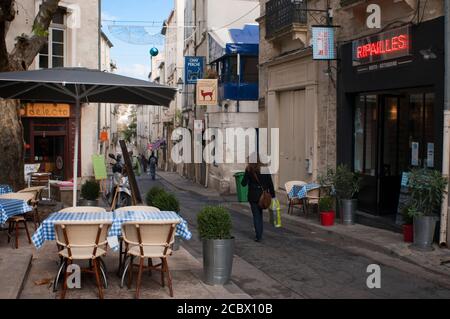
[47, 229]
[301, 192]
[5, 189]
[12, 207]
[122, 217]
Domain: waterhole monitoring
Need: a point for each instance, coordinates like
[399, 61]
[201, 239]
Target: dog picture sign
[207, 92]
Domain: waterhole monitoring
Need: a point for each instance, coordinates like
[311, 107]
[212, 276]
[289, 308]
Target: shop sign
[384, 46]
[207, 92]
[323, 43]
[46, 110]
[194, 66]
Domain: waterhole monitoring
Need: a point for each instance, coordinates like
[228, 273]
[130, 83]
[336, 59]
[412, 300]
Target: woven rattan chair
[147, 240]
[122, 252]
[146, 209]
[83, 209]
[83, 241]
[37, 191]
[15, 221]
[293, 201]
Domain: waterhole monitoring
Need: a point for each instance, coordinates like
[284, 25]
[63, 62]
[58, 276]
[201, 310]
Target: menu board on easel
[404, 198]
[136, 194]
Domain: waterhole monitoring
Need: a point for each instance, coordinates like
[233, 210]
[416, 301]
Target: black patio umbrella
[78, 86]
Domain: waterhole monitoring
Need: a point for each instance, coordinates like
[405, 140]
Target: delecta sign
[194, 66]
[384, 46]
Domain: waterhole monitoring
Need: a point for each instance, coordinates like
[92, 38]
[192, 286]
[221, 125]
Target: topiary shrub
[214, 223]
[90, 190]
[166, 202]
[152, 193]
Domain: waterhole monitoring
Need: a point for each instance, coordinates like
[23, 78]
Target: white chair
[83, 209]
[145, 209]
[15, 221]
[147, 240]
[83, 241]
[37, 191]
[293, 201]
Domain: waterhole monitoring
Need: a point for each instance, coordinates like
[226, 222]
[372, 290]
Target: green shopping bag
[275, 213]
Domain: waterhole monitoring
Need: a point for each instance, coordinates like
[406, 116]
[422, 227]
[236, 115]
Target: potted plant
[427, 189]
[153, 193]
[408, 228]
[346, 185]
[214, 227]
[327, 213]
[90, 192]
[167, 203]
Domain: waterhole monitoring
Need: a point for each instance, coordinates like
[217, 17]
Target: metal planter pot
[348, 211]
[424, 229]
[89, 203]
[217, 260]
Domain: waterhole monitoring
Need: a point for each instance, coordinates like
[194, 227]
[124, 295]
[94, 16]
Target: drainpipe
[444, 239]
[99, 65]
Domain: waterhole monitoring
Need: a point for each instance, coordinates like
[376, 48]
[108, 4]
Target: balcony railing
[281, 15]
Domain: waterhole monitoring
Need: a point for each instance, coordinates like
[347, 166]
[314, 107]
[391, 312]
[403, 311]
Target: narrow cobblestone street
[300, 264]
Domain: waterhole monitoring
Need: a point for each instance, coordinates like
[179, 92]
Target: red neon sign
[395, 44]
[384, 46]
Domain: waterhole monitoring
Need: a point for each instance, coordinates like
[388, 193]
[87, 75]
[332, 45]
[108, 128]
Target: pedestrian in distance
[153, 163]
[258, 184]
[135, 165]
[144, 163]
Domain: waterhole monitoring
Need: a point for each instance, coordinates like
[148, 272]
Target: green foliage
[90, 190]
[326, 181]
[166, 202]
[153, 193]
[346, 183]
[427, 191]
[408, 218]
[39, 31]
[214, 223]
[326, 204]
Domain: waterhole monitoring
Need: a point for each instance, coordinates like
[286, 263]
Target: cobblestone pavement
[298, 263]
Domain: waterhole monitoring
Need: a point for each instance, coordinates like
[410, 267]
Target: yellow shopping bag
[275, 213]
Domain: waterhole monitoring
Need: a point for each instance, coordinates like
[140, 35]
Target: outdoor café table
[301, 192]
[12, 207]
[47, 229]
[5, 189]
[136, 216]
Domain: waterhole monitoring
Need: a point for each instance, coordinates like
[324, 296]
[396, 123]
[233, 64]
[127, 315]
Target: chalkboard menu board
[404, 198]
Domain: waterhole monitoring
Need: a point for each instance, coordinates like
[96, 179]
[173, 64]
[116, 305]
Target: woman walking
[257, 184]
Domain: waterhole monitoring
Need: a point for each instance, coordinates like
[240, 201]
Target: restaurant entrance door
[393, 132]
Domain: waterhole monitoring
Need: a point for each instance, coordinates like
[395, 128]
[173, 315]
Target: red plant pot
[327, 218]
[408, 233]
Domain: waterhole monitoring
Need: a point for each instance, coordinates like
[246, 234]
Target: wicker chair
[83, 209]
[37, 191]
[293, 201]
[146, 209]
[83, 241]
[15, 221]
[147, 240]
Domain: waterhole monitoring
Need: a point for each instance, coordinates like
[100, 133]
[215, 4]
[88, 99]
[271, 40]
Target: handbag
[266, 199]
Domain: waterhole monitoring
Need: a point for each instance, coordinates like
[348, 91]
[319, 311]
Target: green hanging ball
[154, 52]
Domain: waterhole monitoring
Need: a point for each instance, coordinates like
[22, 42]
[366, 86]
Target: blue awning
[243, 41]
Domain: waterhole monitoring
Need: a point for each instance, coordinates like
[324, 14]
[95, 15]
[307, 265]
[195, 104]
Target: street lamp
[180, 85]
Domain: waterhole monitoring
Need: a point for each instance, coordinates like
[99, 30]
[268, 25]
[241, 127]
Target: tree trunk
[11, 145]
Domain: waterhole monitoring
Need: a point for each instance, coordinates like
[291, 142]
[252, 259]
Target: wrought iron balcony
[284, 15]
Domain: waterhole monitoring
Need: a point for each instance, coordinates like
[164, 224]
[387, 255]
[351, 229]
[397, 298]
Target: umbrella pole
[75, 156]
